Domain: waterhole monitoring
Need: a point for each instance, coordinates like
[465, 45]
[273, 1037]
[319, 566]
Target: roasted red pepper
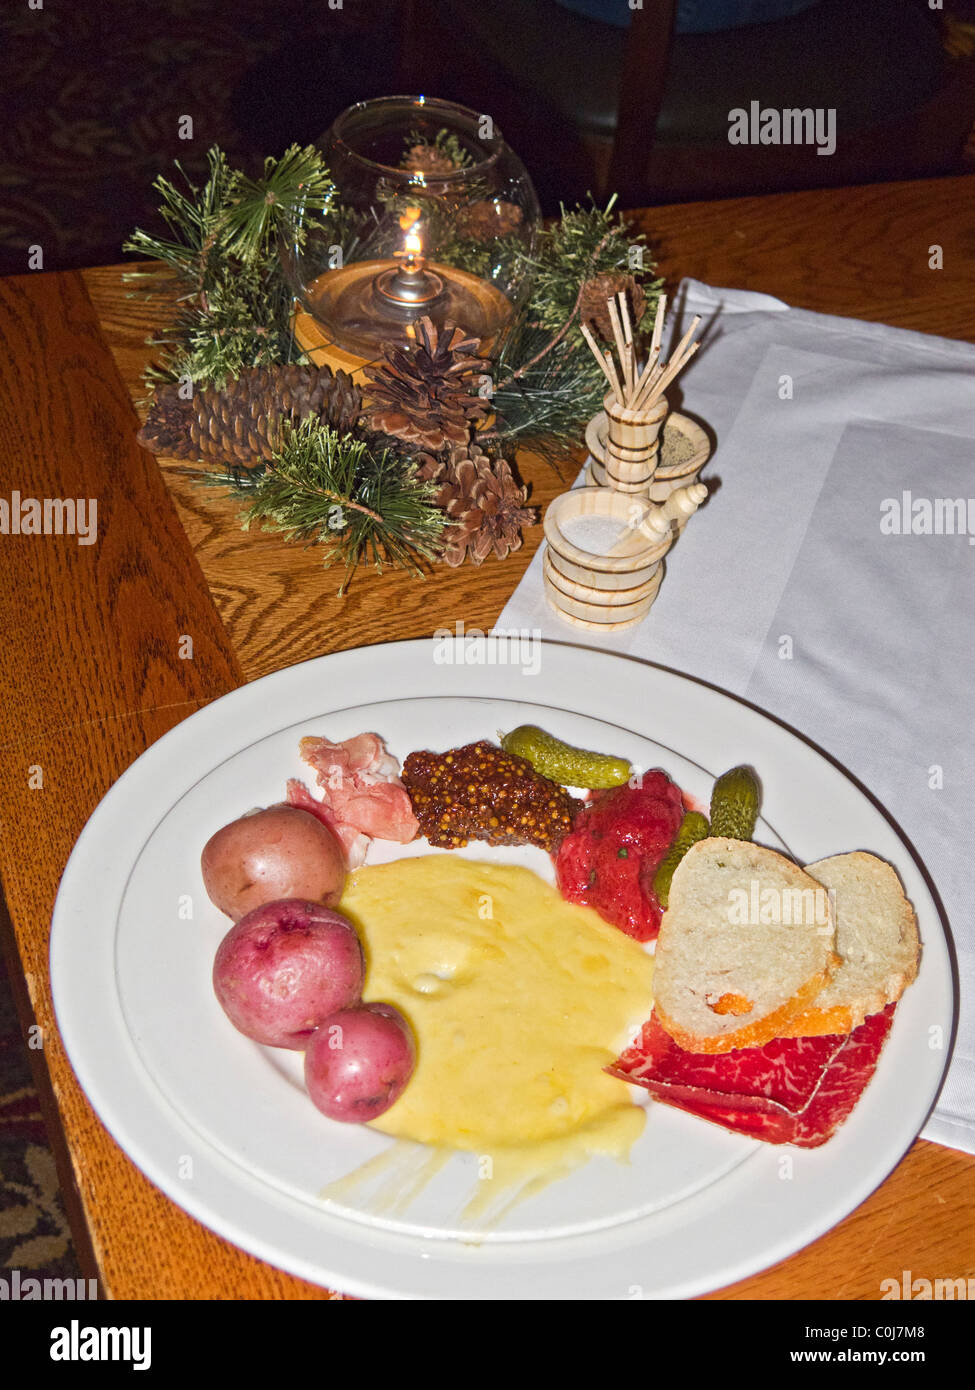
[610, 856]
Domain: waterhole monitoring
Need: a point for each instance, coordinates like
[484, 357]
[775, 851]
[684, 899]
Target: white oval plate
[224, 1126]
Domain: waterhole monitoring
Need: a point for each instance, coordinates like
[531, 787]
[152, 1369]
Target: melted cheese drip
[517, 1000]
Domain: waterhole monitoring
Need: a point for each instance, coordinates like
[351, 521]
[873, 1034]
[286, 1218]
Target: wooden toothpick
[658, 324]
[597, 353]
[638, 392]
[614, 318]
[630, 353]
[672, 370]
[663, 373]
[614, 377]
[654, 353]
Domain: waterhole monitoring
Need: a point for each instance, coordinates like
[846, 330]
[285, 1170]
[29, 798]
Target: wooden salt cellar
[614, 590]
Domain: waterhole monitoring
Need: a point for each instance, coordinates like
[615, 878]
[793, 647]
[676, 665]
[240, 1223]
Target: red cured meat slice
[791, 1091]
[785, 1072]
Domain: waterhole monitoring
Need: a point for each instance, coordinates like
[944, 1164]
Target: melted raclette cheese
[517, 999]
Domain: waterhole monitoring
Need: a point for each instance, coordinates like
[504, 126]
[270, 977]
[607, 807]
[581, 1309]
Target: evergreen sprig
[547, 406]
[221, 265]
[296, 190]
[586, 241]
[446, 142]
[331, 490]
[547, 382]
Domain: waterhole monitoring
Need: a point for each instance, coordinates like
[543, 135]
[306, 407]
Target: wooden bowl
[606, 605]
[595, 617]
[612, 590]
[581, 583]
[647, 539]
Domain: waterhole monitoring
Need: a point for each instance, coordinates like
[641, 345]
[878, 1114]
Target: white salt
[596, 534]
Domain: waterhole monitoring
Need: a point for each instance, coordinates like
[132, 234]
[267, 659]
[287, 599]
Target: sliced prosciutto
[362, 798]
[791, 1091]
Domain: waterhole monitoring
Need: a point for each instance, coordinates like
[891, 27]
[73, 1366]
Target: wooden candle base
[323, 353]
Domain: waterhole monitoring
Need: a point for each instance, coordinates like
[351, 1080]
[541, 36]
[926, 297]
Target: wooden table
[91, 675]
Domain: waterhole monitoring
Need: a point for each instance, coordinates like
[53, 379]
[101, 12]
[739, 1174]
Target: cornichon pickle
[560, 762]
[693, 827]
[734, 804]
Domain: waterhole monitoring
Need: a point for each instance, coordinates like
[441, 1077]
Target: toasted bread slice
[746, 945]
[876, 939]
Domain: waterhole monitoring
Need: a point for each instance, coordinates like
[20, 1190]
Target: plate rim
[300, 678]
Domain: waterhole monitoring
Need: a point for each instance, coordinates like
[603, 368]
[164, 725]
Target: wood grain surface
[90, 671]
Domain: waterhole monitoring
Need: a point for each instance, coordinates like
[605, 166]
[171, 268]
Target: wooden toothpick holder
[636, 406]
[614, 590]
[632, 445]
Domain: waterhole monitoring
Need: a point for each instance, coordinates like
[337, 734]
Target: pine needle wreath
[358, 499]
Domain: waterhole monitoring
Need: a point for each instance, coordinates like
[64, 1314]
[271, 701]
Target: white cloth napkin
[832, 437]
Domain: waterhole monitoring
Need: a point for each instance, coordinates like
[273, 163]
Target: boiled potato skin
[359, 1062]
[284, 968]
[280, 852]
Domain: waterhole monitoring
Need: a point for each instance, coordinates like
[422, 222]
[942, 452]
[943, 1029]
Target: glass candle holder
[433, 216]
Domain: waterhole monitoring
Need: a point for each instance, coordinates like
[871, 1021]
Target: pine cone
[427, 159]
[487, 219]
[483, 502]
[442, 469]
[422, 393]
[241, 423]
[595, 292]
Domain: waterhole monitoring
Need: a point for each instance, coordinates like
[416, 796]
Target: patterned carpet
[34, 1234]
[93, 97]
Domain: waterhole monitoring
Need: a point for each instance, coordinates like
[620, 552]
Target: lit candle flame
[412, 246]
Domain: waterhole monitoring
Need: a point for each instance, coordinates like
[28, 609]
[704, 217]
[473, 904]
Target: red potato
[280, 852]
[359, 1062]
[284, 968]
